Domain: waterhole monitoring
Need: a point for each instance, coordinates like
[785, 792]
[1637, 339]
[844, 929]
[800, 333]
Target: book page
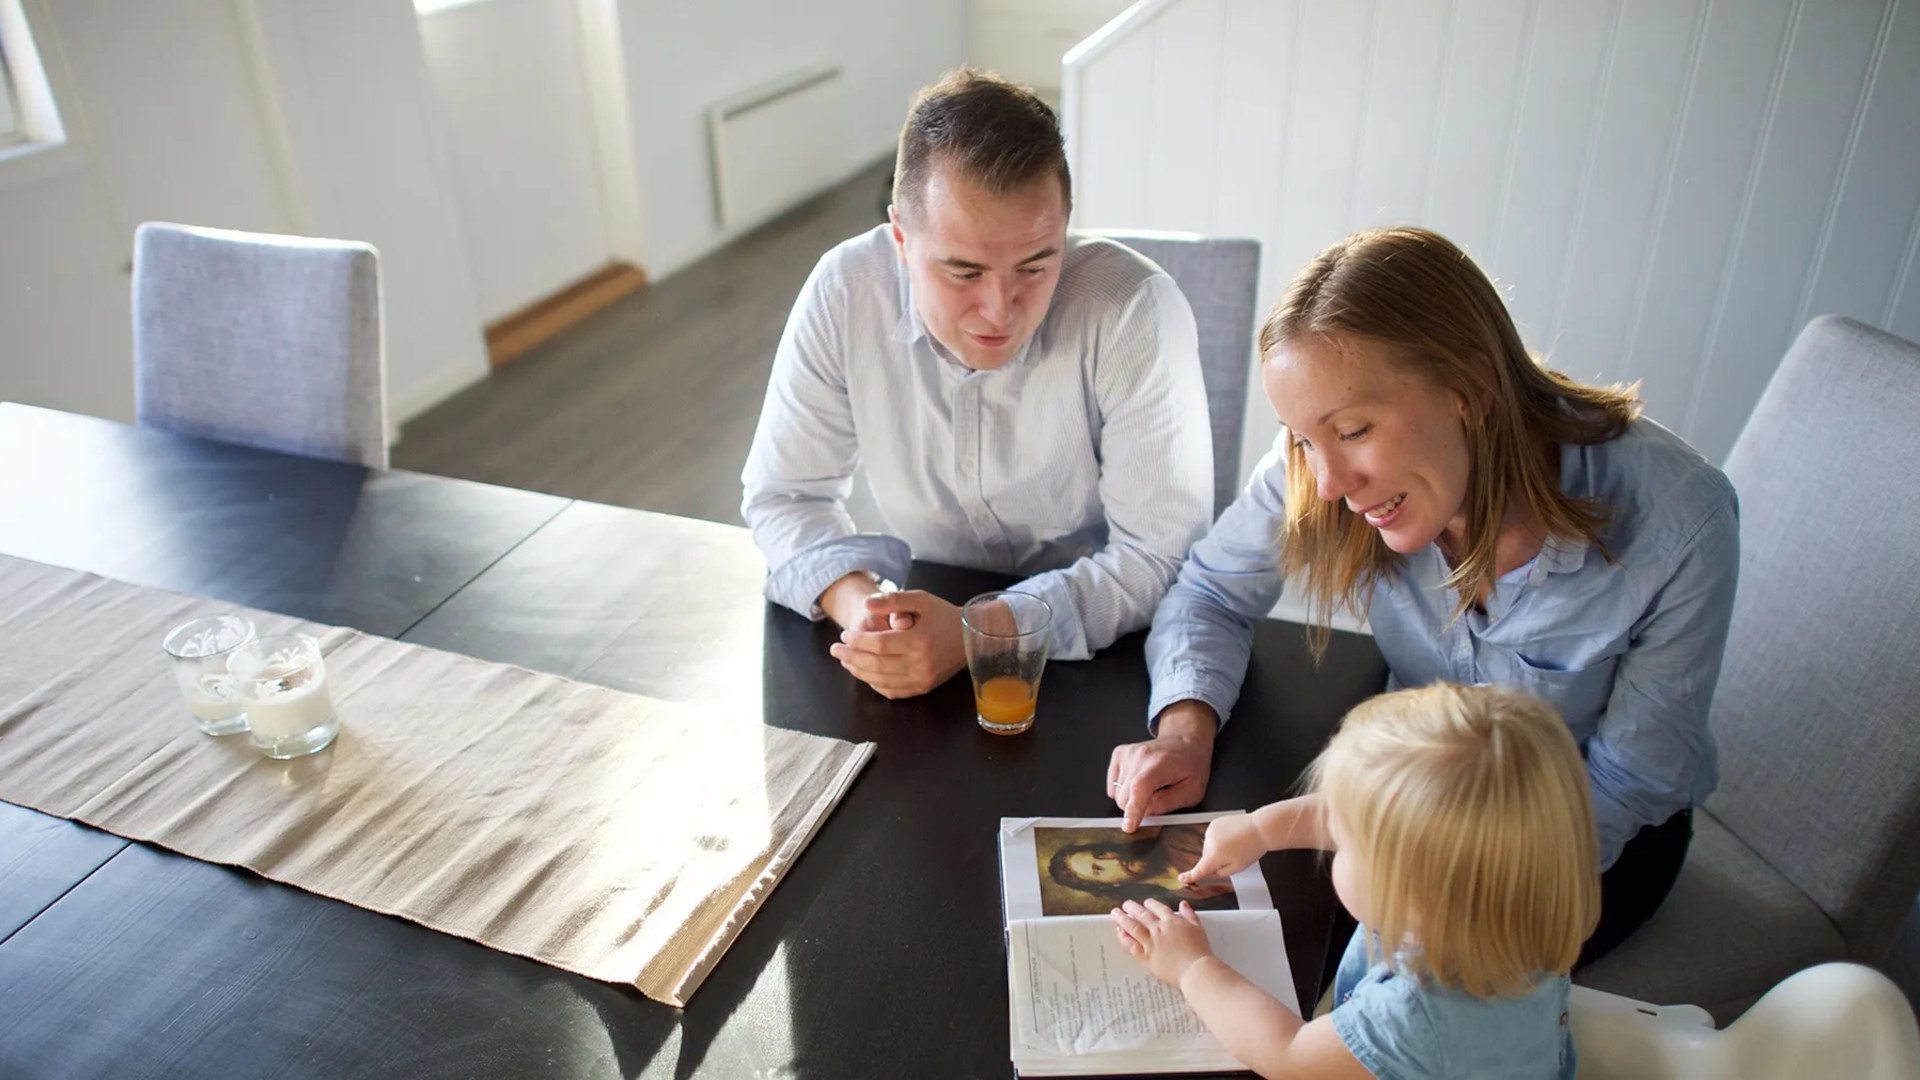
[1075, 990]
[1087, 866]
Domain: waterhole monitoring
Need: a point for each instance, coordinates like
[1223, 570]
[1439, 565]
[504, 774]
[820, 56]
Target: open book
[1081, 1004]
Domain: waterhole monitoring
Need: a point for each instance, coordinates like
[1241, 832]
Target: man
[1023, 400]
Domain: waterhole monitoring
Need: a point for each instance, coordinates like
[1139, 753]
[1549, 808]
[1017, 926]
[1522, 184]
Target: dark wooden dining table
[880, 954]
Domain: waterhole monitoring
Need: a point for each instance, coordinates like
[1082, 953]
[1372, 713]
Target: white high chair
[1838, 1021]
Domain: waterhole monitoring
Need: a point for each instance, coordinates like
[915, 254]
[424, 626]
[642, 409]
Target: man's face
[983, 266]
[1105, 865]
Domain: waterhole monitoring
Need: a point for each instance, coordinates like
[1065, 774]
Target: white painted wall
[189, 144]
[493, 152]
[1667, 189]
[66, 233]
[507, 77]
[683, 57]
[366, 156]
[1025, 39]
[269, 115]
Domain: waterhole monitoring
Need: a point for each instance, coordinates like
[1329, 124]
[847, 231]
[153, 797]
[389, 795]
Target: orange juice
[1005, 704]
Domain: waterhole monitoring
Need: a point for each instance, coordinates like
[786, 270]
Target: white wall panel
[506, 76]
[1728, 104]
[1403, 95]
[1184, 113]
[1555, 124]
[1255, 96]
[1326, 113]
[1863, 248]
[1794, 183]
[1636, 140]
[1479, 101]
[1118, 100]
[1665, 189]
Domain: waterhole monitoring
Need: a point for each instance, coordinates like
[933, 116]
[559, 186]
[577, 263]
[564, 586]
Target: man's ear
[899, 237]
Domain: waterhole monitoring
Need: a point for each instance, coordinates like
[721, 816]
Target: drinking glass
[283, 681]
[199, 650]
[1006, 635]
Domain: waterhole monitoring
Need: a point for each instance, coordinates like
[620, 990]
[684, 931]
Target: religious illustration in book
[1078, 1003]
[1087, 870]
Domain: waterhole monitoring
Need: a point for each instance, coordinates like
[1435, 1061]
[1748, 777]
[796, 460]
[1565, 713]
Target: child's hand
[1232, 844]
[1165, 940]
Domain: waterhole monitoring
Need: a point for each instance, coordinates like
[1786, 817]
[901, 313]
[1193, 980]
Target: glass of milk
[283, 683]
[200, 650]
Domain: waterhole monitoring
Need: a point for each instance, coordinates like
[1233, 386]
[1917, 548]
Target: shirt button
[966, 467]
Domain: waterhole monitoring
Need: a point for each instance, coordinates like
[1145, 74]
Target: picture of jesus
[1089, 871]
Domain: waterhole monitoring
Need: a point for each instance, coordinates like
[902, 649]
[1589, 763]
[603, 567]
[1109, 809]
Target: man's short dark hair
[999, 135]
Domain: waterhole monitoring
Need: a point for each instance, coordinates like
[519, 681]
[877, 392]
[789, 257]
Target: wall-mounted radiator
[777, 144]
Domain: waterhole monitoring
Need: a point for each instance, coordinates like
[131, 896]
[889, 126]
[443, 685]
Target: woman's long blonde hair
[1414, 292]
[1469, 813]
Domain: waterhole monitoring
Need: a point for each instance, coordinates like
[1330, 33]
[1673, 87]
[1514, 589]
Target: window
[30, 124]
[10, 126]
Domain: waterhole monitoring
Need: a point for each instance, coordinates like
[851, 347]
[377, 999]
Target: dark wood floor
[652, 402]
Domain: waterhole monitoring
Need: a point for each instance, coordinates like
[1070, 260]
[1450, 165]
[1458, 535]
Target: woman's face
[1385, 440]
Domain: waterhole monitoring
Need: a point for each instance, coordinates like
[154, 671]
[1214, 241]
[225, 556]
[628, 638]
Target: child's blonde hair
[1468, 811]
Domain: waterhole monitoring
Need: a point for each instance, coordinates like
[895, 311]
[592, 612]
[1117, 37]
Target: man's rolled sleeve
[800, 470]
[798, 582]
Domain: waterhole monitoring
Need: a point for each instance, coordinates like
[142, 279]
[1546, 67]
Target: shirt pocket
[1579, 693]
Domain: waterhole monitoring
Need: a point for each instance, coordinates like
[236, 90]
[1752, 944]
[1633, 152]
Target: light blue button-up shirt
[1628, 650]
[1086, 462]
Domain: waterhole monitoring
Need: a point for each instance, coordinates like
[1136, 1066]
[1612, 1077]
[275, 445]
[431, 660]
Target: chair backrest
[1843, 1021]
[271, 341]
[1219, 276]
[1817, 713]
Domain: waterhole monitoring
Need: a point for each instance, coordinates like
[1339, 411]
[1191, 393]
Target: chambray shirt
[1628, 650]
[1086, 462]
[1402, 1027]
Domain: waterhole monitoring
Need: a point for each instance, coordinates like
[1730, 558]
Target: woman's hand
[1166, 941]
[1168, 771]
[1232, 844]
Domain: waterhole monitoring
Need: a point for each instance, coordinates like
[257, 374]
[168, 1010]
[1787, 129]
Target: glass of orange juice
[1006, 636]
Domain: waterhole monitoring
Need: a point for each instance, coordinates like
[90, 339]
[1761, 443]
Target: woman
[1495, 521]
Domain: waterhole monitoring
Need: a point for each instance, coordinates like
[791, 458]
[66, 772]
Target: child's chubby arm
[1254, 1027]
[1235, 843]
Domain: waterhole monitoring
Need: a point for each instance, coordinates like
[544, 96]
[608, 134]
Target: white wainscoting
[1666, 189]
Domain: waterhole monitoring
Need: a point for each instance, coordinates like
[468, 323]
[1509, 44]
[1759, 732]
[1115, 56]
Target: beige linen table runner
[617, 836]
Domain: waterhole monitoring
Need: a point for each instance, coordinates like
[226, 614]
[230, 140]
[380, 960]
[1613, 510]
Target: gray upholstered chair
[1809, 850]
[1219, 276]
[271, 341]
